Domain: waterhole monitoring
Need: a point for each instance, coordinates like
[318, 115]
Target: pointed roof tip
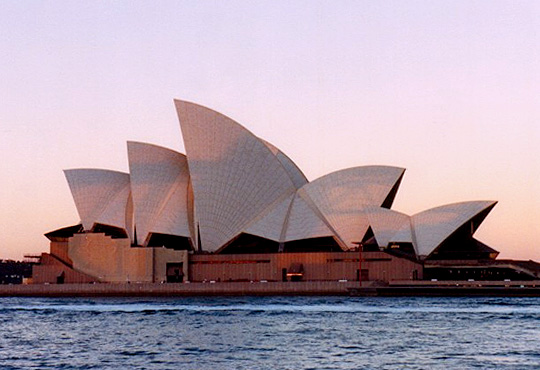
[387, 169]
[483, 203]
[186, 103]
[93, 169]
[372, 166]
[490, 203]
[131, 144]
[403, 169]
[182, 105]
[185, 108]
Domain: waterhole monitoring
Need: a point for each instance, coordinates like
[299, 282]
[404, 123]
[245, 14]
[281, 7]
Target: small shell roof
[433, 226]
[386, 223]
[101, 196]
[159, 185]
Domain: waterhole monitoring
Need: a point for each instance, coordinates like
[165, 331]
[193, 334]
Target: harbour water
[270, 333]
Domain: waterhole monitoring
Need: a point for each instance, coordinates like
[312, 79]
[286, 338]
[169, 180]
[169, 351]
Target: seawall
[179, 289]
[304, 288]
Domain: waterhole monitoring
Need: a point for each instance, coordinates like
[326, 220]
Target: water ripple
[269, 332]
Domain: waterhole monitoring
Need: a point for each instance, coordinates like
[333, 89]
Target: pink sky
[449, 90]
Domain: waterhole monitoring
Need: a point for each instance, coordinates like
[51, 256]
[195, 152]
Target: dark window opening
[175, 272]
[323, 244]
[402, 250]
[169, 241]
[112, 231]
[481, 273]
[369, 243]
[247, 243]
[462, 246]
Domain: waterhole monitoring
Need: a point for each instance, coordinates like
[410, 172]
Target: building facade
[236, 208]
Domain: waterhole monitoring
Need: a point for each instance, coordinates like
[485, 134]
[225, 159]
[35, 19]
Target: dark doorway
[296, 271]
[175, 272]
[365, 275]
[61, 278]
[284, 274]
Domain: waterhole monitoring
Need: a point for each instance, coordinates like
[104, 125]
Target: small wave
[353, 308]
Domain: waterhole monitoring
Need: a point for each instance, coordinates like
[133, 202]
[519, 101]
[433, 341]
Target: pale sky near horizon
[450, 90]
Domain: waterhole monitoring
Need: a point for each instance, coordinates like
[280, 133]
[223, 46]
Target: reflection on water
[265, 333]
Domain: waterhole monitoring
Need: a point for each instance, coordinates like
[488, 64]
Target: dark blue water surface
[270, 333]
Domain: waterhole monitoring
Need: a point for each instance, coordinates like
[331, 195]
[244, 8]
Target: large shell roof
[235, 175]
[232, 182]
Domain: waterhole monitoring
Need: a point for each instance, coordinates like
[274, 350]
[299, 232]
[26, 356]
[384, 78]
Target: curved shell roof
[101, 196]
[232, 182]
[235, 175]
[435, 225]
[159, 185]
[386, 223]
[344, 196]
[297, 176]
[305, 221]
[404, 234]
[270, 223]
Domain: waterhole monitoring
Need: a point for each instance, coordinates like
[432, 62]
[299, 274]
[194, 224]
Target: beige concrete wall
[60, 250]
[114, 260]
[111, 260]
[50, 268]
[162, 256]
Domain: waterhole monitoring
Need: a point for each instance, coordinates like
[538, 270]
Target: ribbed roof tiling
[101, 196]
[343, 197]
[434, 226]
[159, 184]
[235, 176]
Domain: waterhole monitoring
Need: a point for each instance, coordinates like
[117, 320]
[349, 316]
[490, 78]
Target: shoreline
[304, 288]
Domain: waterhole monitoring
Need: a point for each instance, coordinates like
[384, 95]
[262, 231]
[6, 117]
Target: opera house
[236, 208]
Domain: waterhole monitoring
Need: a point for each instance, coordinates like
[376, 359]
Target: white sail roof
[159, 184]
[297, 176]
[404, 233]
[232, 182]
[304, 221]
[101, 196]
[385, 224]
[433, 226]
[343, 197]
[235, 176]
[270, 223]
